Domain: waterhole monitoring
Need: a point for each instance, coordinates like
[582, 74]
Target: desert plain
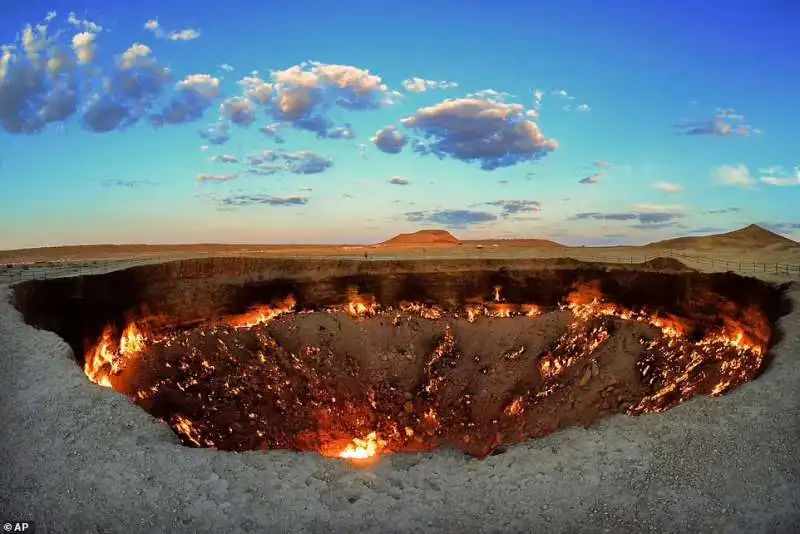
[78, 457]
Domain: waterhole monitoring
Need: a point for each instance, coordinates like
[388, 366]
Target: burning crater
[351, 364]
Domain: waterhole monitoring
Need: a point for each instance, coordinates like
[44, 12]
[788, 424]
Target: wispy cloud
[718, 211]
[420, 85]
[399, 180]
[595, 178]
[154, 26]
[778, 176]
[117, 182]
[669, 187]
[724, 123]
[224, 158]
[265, 200]
[203, 178]
[733, 176]
[509, 208]
[451, 218]
[270, 162]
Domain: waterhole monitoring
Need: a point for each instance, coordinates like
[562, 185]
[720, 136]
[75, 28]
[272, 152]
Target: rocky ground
[80, 458]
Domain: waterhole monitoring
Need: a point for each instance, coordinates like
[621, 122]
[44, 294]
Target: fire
[362, 449]
[262, 314]
[669, 368]
[108, 357]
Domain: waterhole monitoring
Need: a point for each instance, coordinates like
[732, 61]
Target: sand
[79, 458]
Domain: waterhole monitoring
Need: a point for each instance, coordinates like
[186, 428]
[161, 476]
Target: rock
[587, 375]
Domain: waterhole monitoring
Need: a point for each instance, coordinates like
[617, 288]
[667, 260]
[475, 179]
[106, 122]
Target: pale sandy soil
[79, 458]
[773, 263]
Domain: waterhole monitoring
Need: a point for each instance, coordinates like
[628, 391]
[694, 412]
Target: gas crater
[355, 360]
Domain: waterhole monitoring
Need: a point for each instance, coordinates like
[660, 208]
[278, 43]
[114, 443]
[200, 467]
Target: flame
[261, 314]
[108, 357]
[362, 449]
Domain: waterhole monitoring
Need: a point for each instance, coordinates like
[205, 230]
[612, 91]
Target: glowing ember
[251, 382]
[361, 449]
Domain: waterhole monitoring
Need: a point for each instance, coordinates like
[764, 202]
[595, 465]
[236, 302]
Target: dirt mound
[752, 236]
[423, 237]
[667, 264]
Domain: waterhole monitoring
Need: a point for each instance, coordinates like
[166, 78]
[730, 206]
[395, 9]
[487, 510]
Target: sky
[585, 122]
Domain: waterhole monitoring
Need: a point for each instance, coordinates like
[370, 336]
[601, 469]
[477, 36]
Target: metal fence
[42, 270]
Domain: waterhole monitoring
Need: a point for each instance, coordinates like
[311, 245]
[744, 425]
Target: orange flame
[362, 449]
[107, 358]
[261, 314]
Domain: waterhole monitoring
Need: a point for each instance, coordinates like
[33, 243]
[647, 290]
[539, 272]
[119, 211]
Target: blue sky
[348, 122]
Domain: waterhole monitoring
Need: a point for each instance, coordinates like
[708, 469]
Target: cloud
[733, 176]
[273, 131]
[128, 94]
[192, 97]
[399, 180]
[492, 133]
[238, 110]
[226, 67]
[724, 123]
[584, 108]
[188, 34]
[643, 214]
[216, 133]
[225, 158]
[538, 95]
[389, 140]
[451, 218]
[782, 227]
[602, 164]
[73, 20]
[117, 182]
[731, 209]
[217, 178]
[40, 76]
[491, 94]
[668, 187]
[777, 176]
[275, 161]
[341, 132]
[514, 207]
[84, 46]
[420, 85]
[595, 178]
[302, 94]
[561, 93]
[267, 200]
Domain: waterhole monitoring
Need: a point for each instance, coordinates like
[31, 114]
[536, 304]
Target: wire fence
[42, 270]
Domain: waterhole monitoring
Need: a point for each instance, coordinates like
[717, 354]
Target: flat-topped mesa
[423, 237]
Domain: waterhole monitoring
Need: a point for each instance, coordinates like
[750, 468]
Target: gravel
[75, 457]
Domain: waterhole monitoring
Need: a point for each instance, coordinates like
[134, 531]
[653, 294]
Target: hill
[752, 236]
[423, 237]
